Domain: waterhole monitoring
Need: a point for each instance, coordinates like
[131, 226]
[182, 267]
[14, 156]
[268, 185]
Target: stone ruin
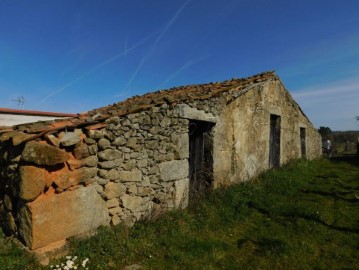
[138, 158]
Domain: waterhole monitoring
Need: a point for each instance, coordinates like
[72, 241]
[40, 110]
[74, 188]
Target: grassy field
[302, 216]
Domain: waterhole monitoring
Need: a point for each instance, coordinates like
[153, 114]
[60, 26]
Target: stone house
[145, 155]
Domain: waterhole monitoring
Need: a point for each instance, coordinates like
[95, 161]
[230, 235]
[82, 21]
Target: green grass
[13, 257]
[302, 216]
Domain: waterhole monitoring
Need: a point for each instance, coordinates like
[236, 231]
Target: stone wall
[74, 181]
[136, 166]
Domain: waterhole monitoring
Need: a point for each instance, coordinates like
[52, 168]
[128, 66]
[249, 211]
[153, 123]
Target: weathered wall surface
[243, 133]
[135, 166]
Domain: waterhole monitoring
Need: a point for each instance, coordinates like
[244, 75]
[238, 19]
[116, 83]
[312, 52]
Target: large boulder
[32, 181]
[43, 154]
[174, 170]
[55, 217]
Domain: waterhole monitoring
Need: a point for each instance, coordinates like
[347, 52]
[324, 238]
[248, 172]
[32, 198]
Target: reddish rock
[32, 182]
[53, 175]
[43, 154]
[72, 178]
[51, 218]
[51, 139]
[90, 161]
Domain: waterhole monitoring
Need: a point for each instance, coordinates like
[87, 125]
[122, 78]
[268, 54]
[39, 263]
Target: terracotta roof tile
[40, 113]
[139, 103]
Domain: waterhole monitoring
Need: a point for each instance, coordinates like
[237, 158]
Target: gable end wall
[241, 136]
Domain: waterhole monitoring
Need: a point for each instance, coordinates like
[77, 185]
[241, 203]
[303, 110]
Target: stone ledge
[185, 111]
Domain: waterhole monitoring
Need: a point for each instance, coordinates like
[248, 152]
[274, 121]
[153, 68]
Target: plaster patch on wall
[251, 167]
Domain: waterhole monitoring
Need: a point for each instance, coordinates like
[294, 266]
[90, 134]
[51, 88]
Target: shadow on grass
[333, 195]
[347, 158]
[263, 245]
[295, 214]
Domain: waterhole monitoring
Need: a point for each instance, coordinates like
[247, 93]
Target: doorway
[303, 146]
[200, 156]
[274, 141]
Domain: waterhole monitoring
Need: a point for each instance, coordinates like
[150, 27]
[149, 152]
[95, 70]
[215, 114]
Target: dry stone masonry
[138, 158]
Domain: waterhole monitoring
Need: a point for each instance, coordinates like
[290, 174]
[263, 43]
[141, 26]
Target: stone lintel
[188, 112]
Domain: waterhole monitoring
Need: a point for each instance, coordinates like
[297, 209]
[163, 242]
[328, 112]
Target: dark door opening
[200, 156]
[274, 141]
[303, 146]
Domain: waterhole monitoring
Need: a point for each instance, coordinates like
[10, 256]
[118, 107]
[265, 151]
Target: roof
[95, 118]
[35, 113]
[180, 94]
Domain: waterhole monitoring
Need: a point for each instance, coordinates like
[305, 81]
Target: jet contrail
[143, 60]
[163, 32]
[185, 66]
[169, 24]
[95, 68]
[121, 94]
[126, 47]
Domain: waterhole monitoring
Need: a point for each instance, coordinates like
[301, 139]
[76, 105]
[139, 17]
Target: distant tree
[326, 133]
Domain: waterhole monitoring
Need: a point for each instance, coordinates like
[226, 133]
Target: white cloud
[334, 104]
[334, 88]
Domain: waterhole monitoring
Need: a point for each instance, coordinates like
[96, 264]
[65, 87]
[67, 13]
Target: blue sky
[77, 55]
